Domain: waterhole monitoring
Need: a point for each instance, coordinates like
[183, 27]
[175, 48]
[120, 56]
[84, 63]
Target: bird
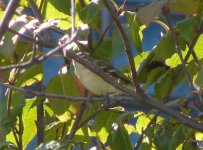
[90, 80]
[94, 83]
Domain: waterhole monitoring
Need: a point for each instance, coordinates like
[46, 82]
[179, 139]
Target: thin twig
[36, 11]
[177, 46]
[10, 10]
[63, 97]
[127, 46]
[78, 118]
[40, 58]
[104, 107]
[139, 141]
[73, 12]
[21, 129]
[194, 41]
[103, 35]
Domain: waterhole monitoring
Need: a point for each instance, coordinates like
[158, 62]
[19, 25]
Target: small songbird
[95, 83]
[90, 80]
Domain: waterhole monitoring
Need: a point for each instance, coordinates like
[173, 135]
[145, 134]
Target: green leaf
[104, 52]
[136, 30]
[198, 80]
[59, 9]
[143, 70]
[148, 13]
[30, 75]
[174, 61]
[181, 6]
[188, 26]
[17, 104]
[65, 85]
[163, 135]
[103, 124]
[7, 145]
[4, 122]
[140, 58]
[7, 45]
[4, 62]
[189, 145]
[142, 122]
[153, 76]
[198, 47]
[53, 130]
[165, 48]
[163, 86]
[181, 133]
[117, 43]
[200, 8]
[91, 14]
[119, 139]
[29, 116]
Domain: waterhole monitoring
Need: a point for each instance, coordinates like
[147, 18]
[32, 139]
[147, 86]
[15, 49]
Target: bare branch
[41, 58]
[36, 11]
[104, 107]
[126, 44]
[10, 10]
[63, 97]
[177, 46]
[139, 141]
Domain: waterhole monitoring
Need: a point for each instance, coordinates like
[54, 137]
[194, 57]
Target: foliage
[60, 115]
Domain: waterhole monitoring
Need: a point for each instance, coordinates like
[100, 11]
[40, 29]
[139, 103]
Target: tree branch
[41, 58]
[126, 44]
[177, 46]
[63, 97]
[10, 10]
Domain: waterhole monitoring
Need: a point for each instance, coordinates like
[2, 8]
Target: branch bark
[10, 10]
[126, 44]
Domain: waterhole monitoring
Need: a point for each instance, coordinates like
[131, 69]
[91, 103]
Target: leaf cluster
[62, 114]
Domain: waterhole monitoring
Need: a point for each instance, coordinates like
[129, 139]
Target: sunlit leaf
[140, 58]
[29, 117]
[130, 128]
[30, 75]
[198, 47]
[142, 122]
[103, 124]
[59, 9]
[65, 85]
